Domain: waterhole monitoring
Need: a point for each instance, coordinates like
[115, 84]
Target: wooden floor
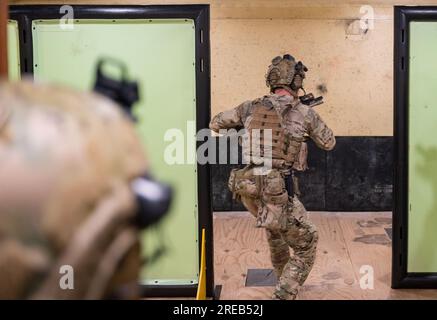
[347, 241]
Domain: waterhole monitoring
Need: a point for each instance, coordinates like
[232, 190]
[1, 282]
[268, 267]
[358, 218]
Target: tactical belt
[279, 199]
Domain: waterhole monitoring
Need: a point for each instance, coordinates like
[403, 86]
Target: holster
[231, 183]
[242, 184]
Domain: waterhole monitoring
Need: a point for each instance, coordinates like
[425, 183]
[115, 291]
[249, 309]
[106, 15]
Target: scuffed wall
[351, 67]
[354, 75]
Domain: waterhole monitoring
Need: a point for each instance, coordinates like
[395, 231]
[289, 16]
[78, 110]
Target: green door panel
[422, 152]
[13, 51]
[161, 55]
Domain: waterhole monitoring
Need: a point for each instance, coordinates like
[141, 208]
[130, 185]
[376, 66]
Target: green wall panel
[422, 153]
[161, 55]
[13, 51]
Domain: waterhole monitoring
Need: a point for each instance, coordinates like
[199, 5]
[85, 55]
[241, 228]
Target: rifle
[310, 100]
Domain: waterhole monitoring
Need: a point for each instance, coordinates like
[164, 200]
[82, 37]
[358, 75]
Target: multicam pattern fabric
[65, 196]
[299, 122]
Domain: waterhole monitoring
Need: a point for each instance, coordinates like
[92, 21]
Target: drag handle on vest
[310, 101]
[122, 91]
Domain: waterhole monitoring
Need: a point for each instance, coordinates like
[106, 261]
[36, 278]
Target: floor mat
[389, 232]
[260, 278]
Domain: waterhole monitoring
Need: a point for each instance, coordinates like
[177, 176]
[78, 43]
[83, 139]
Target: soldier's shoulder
[308, 113]
[303, 107]
[300, 112]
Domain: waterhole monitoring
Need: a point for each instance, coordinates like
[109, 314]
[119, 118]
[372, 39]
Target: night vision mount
[122, 91]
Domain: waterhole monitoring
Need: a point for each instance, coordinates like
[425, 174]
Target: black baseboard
[169, 290]
[356, 176]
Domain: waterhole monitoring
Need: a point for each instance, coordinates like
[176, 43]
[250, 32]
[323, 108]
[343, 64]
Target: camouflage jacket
[299, 121]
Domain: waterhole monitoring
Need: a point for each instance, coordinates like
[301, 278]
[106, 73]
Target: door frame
[401, 278]
[200, 14]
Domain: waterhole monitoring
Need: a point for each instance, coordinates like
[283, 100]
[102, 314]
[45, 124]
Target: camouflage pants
[286, 224]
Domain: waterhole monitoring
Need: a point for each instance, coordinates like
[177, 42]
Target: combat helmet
[71, 176]
[285, 72]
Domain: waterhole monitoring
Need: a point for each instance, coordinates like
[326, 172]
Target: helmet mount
[284, 72]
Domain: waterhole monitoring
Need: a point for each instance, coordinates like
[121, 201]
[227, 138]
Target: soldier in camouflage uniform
[71, 164]
[264, 194]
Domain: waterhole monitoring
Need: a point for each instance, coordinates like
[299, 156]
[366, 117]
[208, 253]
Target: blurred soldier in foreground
[74, 195]
[290, 120]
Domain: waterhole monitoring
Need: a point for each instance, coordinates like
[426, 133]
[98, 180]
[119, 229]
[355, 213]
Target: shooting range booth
[166, 48]
[415, 148]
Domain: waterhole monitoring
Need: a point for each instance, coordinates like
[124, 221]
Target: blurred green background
[13, 51]
[422, 153]
[161, 55]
